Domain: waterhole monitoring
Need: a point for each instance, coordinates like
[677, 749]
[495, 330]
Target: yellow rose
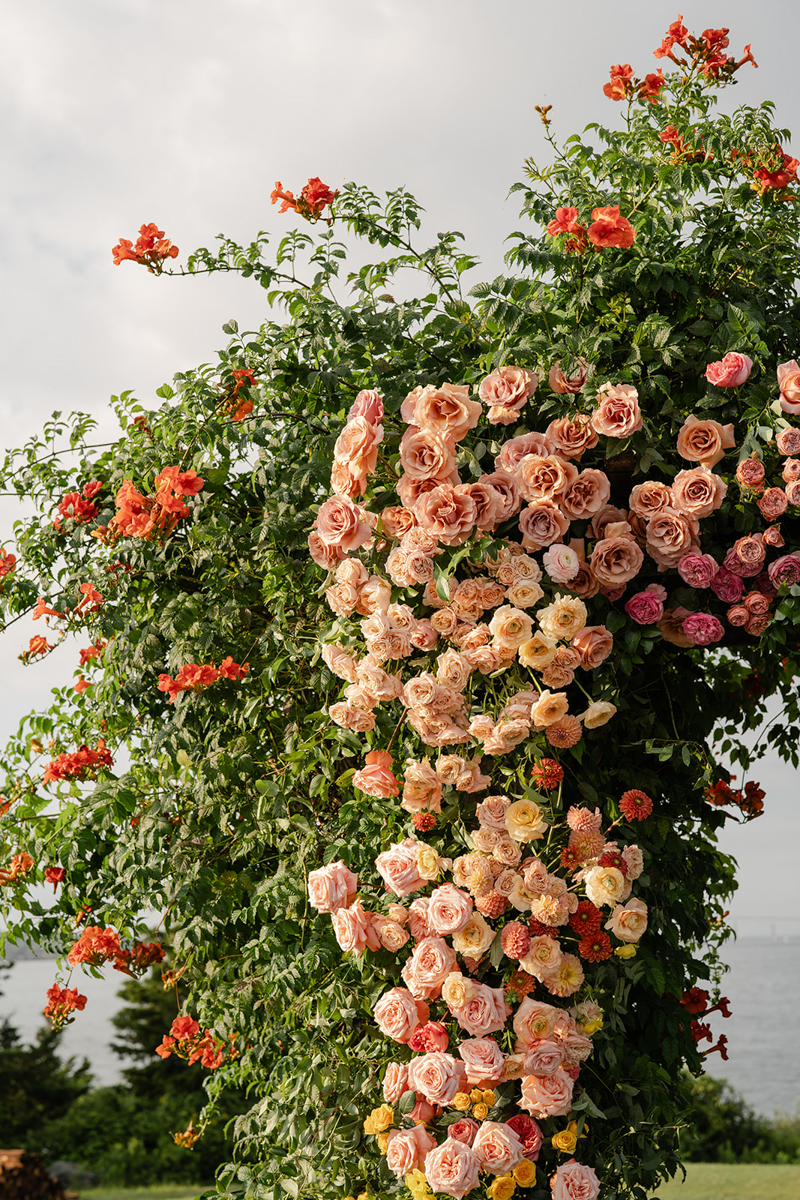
[593, 1026]
[502, 1188]
[480, 1112]
[369, 1126]
[489, 1098]
[362, 1196]
[381, 1118]
[429, 864]
[461, 1101]
[525, 1173]
[476, 1095]
[627, 951]
[538, 652]
[565, 1141]
[383, 1142]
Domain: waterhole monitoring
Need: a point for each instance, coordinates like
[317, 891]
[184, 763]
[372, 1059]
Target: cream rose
[538, 651]
[597, 714]
[510, 627]
[628, 923]
[474, 938]
[605, 885]
[458, 990]
[563, 618]
[550, 707]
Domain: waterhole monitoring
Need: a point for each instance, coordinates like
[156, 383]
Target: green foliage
[723, 1128]
[218, 805]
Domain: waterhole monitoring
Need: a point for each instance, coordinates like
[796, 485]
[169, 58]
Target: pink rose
[452, 1168]
[450, 910]
[788, 440]
[395, 1082]
[785, 570]
[561, 562]
[397, 1014]
[617, 414]
[483, 1060]
[354, 930]
[704, 441]
[547, 1095]
[497, 1148]
[332, 887]
[573, 1181]
[506, 391]
[698, 570]
[406, 1149]
[645, 607]
[793, 492]
[698, 492]
[447, 513]
[567, 385]
[463, 1131]
[726, 586]
[368, 405]
[750, 472]
[341, 524]
[772, 503]
[543, 1057]
[429, 965]
[789, 384]
[702, 629]
[485, 1013]
[732, 371]
[376, 777]
[428, 1038]
[436, 1076]
[528, 1133]
[397, 867]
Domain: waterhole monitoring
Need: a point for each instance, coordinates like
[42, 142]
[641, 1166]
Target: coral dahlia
[636, 805]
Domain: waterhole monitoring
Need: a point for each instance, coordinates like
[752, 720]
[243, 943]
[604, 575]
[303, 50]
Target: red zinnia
[636, 805]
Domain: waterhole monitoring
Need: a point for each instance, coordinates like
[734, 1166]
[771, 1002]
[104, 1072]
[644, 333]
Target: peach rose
[436, 1076]
[573, 1181]
[506, 391]
[544, 1056]
[510, 627]
[538, 652]
[452, 1169]
[397, 867]
[395, 1082]
[391, 933]
[628, 923]
[324, 556]
[332, 887]
[341, 524]
[568, 385]
[698, 492]
[550, 707]
[422, 788]
[541, 524]
[787, 440]
[367, 404]
[586, 495]
[505, 485]
[544, 478]
[572, 438]
[447, 411]
[547, 1095]
[396, 521]
[450, 910]
[374, 596]
[356, 450]
[497, 1147]
[353, 929]
[429, 965]
[597, 714]
[543, 957]
[563, 618]
[483, 1060]
[750, 473]
[594, 643]
[789, 384]
[337, 660]
[533, 1020]
[704, 441]
[376, 777]
[406, 1149]
[650, 497]
[463, 1130]
[351, 718]
[426, 455]
[617, 414]
[616, 560]
[397, 1014]
[731, 371]
[485, 1012]
[515, 449]
[670, 535]
[447, 513]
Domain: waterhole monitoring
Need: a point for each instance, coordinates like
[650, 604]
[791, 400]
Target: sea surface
[763, 986]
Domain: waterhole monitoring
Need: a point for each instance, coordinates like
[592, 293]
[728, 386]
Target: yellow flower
[480, 1112]
[565, 1141]
[626, 951]
[592, 1026]
[362, 1196]
[502, 1188]
[369, 1126]
[380, 1118]
[525, 1173]
[461, 1101]
[383, 1142]
[489, 1098]
[476, 1095]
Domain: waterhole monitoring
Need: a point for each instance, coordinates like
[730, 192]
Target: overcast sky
[185, 112]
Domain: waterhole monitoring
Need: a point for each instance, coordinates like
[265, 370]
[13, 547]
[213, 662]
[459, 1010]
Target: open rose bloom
[503, 555]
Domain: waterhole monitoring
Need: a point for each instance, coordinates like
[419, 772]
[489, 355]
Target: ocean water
[763, 986]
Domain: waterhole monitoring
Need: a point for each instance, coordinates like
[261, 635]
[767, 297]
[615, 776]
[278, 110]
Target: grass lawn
[161, 1191]
[718, 1181]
